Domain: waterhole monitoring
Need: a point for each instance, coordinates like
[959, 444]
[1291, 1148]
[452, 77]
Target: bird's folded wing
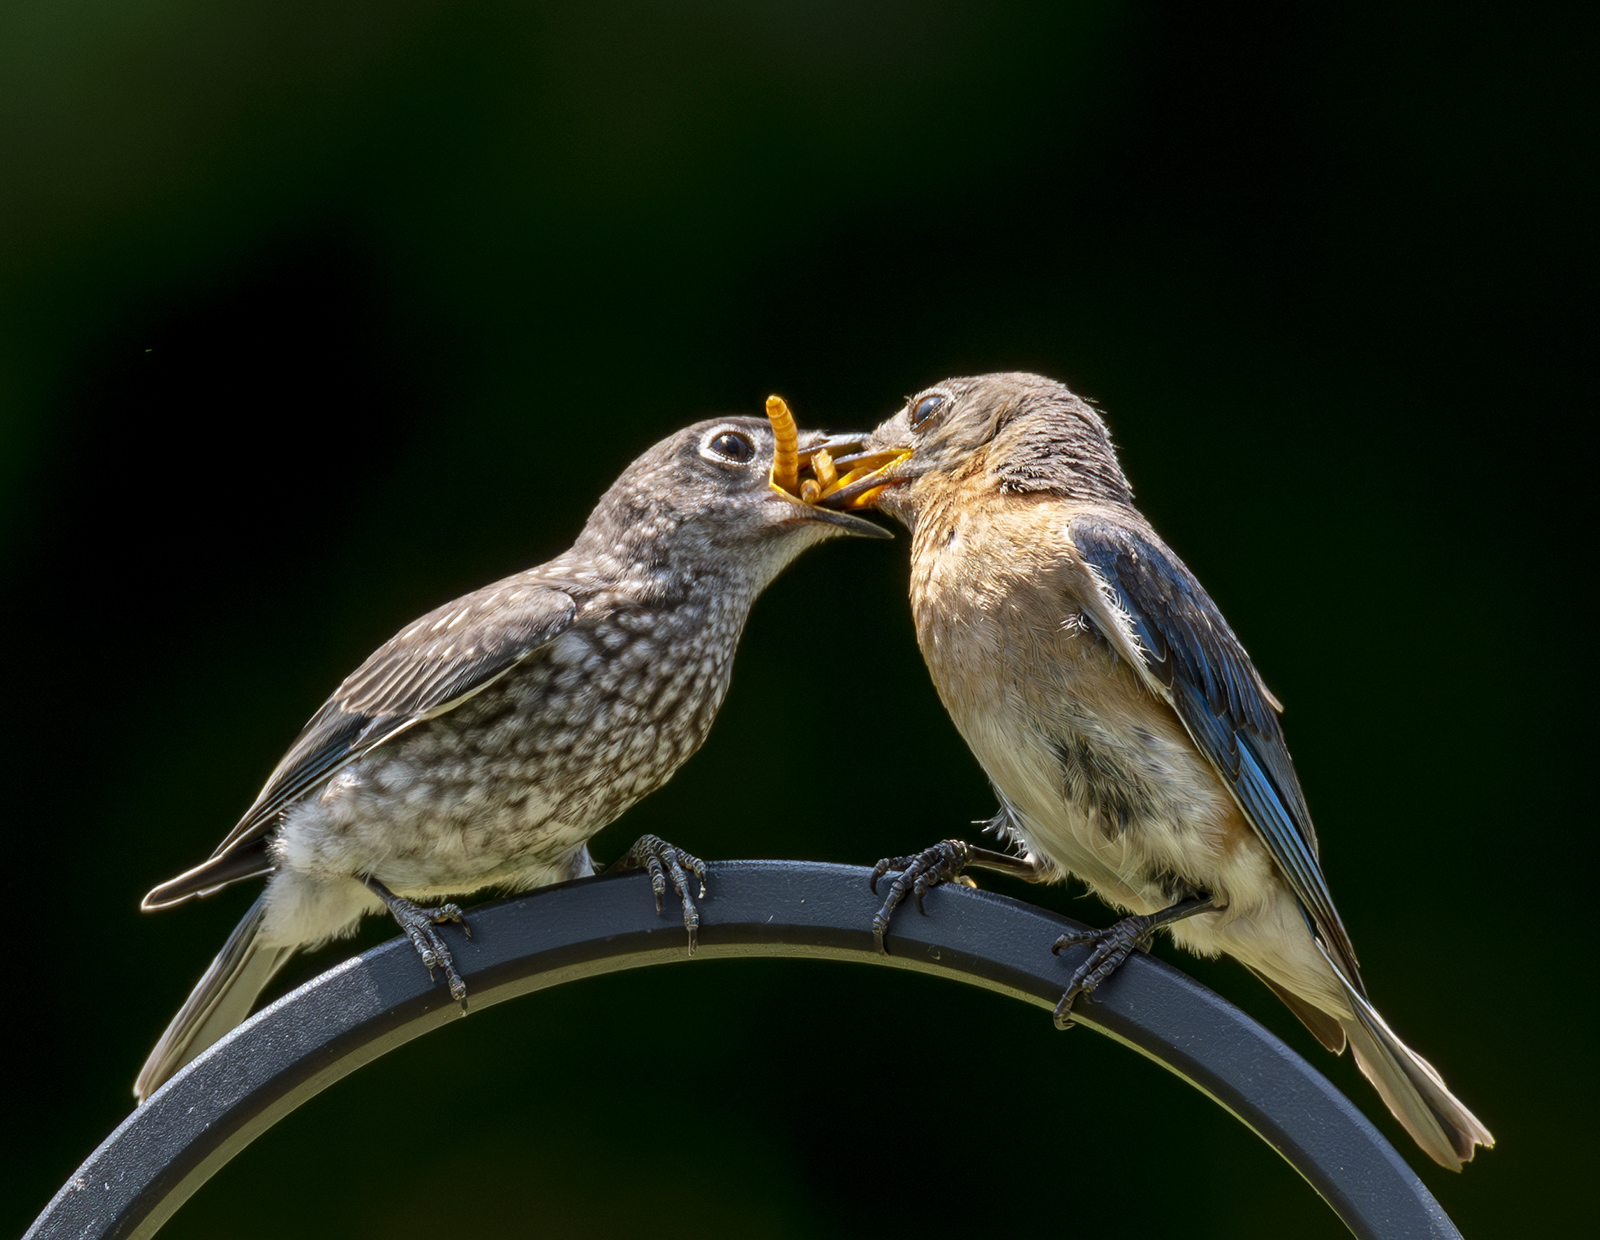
[1174, 633]
[427, 669]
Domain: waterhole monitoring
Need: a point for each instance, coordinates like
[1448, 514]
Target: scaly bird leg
[421, 927]
[945, 862]
[662, 860]
[1108, 949]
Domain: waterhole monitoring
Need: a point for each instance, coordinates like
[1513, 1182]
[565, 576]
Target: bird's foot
[662, 861]
[1108, 949]
[421, 926]
[916, 875]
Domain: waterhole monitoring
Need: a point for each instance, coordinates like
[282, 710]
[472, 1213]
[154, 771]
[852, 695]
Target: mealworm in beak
[786, 453]
[822, 466]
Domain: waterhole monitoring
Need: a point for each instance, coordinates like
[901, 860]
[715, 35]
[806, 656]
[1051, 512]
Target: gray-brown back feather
[430, 667]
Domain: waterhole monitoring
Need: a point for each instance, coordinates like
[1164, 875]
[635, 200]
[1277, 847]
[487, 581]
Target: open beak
[807, 457]
[790, 462]
[839, 444]
[859, 526]
[862, 477]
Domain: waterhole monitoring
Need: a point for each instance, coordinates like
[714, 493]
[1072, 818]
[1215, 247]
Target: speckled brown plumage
[487, 742]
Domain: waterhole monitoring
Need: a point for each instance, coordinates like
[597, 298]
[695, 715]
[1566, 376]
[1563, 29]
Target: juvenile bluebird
[1125, 730]
[484, 744]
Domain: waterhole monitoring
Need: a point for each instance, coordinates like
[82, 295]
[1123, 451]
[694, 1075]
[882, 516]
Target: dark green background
[315, 315]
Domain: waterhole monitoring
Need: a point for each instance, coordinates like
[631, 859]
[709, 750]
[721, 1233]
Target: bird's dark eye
[926, 408]
[733, 446]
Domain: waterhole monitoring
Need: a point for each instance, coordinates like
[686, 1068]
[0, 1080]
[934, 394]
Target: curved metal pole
[380, 999]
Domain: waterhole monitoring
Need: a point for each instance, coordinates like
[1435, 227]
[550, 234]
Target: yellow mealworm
[822, 466]
[786, 453]
[810, 491]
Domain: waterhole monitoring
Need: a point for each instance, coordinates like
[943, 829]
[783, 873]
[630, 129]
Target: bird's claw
[662, 861]
[916, 875]
[1108, 949]
[421, 926]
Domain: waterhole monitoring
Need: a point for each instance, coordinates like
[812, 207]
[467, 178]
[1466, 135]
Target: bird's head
[1013, 432]
[702, 502]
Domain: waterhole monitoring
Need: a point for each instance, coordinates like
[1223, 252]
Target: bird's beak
[789, 462]
[862, 478]
[819, 451]
[837, 445]
[858, 526]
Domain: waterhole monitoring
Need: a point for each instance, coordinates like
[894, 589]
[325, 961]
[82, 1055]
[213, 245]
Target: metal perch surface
[303, 1043]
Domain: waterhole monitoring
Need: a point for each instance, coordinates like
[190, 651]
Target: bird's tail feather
[219, 1002]
[1411, 1087]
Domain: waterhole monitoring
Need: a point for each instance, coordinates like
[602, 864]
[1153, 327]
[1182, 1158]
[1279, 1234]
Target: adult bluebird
[484, 744]
[1126, 732]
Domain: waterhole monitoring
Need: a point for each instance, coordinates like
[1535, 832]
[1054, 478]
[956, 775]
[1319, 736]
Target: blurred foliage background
[315, 315]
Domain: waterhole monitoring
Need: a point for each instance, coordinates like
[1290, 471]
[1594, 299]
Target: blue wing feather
[1216, 691]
